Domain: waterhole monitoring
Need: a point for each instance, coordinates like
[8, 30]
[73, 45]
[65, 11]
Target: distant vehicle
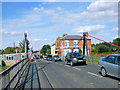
[49, 57]
[40, 56]
[109, 65]
[74, 58]
[45, 58]
[56, 58]
[36, 56]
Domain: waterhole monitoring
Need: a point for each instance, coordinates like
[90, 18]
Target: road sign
[29, 50]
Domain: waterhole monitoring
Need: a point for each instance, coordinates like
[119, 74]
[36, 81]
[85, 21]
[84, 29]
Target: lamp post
[25, 36]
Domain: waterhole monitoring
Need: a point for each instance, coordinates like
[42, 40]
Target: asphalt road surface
[48, 74]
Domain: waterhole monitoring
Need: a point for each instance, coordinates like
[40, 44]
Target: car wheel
[66, 62]
[71, 63]
[103, 72]
[84, 63]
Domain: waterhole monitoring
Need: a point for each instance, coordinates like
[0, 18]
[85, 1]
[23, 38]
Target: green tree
[22, 44]
[102, 48]
[9, 50]
[46, 50]
[80, 51]
[116, 41]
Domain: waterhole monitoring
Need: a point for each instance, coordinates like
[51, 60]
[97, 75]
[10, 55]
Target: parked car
[74, 58]
[49, 57]
[56, 58]
[109, 65]
[40, 56]
[45, 57]
[36, 56]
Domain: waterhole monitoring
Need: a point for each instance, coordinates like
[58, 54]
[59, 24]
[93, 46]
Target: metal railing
[94, 59]
[10, 76]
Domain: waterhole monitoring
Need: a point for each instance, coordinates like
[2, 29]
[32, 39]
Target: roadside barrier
[10, 76]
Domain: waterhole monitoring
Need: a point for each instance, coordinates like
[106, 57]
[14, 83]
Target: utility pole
[25, 36]
[84, 44]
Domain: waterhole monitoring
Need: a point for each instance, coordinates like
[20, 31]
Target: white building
[53, 49]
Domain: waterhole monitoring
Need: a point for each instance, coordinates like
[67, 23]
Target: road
[48, 74]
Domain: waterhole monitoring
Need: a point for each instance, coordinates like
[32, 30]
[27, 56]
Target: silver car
[110, 65]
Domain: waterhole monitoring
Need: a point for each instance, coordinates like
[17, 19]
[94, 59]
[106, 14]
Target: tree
[9, 50]
[22, 44]
[46, 50]
[116, 41]
[80, 51]
[103, 48]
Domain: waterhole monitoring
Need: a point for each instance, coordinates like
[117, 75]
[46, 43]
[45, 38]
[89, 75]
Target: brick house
[68, 43]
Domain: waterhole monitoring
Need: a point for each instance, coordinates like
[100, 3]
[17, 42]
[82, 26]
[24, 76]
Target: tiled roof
[71, 37]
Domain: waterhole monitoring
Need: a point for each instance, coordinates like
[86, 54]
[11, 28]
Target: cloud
[34, 40]
[38, 9]
[116, 37]
[89, 28]
[51, 0]
[115, 29]
[59, 8]
[101, 5]
[13, 33]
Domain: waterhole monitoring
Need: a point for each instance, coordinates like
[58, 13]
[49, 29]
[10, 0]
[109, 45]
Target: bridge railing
[10, 76]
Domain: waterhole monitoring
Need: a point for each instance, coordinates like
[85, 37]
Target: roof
[72, 37]
[53, 44]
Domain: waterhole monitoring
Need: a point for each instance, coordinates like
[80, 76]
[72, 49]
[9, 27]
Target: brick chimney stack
[58, 38]
[87, 34]
[64, 35]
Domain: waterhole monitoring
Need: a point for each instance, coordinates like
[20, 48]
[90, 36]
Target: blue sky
[45, 21]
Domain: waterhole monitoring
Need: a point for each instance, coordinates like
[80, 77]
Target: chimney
[86, 34]
[64, 35]
[58, 38]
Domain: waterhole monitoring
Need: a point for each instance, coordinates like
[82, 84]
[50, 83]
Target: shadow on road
[31, 77]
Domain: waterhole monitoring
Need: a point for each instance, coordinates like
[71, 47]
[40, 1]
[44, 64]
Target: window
[117, 60]
[110, 59]
[66, 43]
[7, 57]
[75, 43]
[75, 54]
[12, 57]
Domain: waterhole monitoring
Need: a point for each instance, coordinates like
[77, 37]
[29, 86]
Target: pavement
[48, 74]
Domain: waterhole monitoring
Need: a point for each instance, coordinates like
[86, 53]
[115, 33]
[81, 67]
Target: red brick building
[69, 43]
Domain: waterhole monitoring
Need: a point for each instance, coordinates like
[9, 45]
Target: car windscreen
[56, 56]
[49, 55]
[75, 55]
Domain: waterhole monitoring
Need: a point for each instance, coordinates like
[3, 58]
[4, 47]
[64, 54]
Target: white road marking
[94, 74]
[119, 82]
[67, 66]
[77, 68]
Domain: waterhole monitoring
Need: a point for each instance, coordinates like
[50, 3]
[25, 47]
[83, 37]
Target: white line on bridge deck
[77, 68]
[94, 74]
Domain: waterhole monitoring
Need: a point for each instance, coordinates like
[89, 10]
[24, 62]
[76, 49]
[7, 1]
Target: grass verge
[2, 68]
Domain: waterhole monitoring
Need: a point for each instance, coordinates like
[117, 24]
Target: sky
[45, 21]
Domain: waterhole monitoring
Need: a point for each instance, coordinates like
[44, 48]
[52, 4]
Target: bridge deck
[41, 74]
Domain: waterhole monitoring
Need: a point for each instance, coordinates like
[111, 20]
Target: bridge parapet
[10, 76]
